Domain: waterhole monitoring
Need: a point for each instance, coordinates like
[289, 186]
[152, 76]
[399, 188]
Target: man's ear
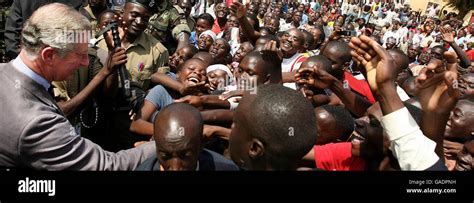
[47, 55]
[306, 46]
[256, 149]
[267, 78]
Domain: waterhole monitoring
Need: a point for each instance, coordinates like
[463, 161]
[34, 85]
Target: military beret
[151, 5]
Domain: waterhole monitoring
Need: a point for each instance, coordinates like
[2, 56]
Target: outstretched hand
[195, 101]
[194, 89]
[438, 85]
[378, 63]
[314, 77]
[446, 35]
[270, 52]
[238, 10]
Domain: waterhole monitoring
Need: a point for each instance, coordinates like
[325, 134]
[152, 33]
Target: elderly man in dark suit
[34, 131]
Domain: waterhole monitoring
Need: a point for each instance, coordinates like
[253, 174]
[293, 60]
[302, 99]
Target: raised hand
[270, 52]
[335, 34]
[438, 91]
[314, 77]
[115, 59]
[238, 9]
[446, 35]
[379, 65]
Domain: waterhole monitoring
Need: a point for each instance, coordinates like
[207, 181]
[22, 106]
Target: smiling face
[297, 16]
[374, 142]
[221, 11]
[461, 120]
[291, 42]
[216, 78]
[201, 26]
[62, 68]
[193, 71]
[136, 18]
[391, 42]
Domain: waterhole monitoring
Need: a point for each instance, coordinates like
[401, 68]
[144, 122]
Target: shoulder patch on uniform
[161, 48]
[179, 9]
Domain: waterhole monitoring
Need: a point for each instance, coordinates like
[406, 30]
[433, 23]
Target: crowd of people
[349, 85]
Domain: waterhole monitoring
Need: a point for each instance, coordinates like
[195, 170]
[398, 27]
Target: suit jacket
[208, 161]
[20, 11]
[34, 133]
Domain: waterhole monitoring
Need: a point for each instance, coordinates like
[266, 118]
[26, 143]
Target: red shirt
[216, 28]
[360, 86]
[337, 157]
[470, 54]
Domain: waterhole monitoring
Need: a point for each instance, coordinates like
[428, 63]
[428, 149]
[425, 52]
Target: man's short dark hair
[308, 38]
[320, 59]
[343, 49]
[322, 36]
[344, 120]
[283, 120]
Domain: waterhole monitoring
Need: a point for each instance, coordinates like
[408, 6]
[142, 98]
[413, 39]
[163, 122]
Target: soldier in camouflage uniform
[170, 26]
[187, 6]
[92, 11]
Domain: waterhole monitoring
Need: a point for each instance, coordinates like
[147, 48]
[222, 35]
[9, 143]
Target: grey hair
[55, 25]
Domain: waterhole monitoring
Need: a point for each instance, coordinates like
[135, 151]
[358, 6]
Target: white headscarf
[209, 33]
[222, 67]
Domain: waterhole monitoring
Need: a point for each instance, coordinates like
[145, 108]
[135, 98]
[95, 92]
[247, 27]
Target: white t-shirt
[292, 64]
[389, 34]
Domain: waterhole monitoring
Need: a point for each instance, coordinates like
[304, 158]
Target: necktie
[51, 91]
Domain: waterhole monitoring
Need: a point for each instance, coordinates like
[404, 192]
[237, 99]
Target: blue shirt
[193, 39]
[21, 66]
[159, 97]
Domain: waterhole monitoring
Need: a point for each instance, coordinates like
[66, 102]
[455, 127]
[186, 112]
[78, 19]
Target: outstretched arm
[239, 10]
[448, 38]
[413, 150]
[115, 59]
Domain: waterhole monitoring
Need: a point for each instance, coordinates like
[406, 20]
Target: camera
[345, 33]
